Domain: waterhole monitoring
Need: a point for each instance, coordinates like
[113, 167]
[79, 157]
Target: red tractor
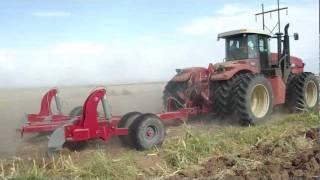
[249, 83]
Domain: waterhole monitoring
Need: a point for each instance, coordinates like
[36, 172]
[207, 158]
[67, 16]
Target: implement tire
[126, 121]
[148, 131]
[76, 111]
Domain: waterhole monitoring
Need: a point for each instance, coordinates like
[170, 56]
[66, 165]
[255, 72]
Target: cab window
[241, 47]
[263, 45]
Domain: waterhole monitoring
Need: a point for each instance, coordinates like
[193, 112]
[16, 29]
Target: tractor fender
[297, 65]
[231, 69]
[194, 73]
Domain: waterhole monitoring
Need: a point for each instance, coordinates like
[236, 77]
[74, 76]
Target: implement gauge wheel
[126, 121]
[76, 111]
[253, 99]
[148, 131]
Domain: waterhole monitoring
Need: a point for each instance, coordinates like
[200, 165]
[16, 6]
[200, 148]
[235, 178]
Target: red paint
[199, 79]
[181, 114]
[298, 66]
[279, 90]
[45, 112]
[187, 73]
[90, 126]
[48, 126]
[233, 67]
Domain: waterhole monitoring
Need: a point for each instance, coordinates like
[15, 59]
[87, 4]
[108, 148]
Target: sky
[97, 42]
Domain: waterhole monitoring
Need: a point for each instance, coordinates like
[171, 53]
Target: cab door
[264, 52]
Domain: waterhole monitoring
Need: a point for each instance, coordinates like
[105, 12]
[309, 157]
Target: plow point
[56, 140]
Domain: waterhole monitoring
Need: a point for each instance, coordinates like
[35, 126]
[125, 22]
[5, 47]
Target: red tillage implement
[140, 130]
[46, 120]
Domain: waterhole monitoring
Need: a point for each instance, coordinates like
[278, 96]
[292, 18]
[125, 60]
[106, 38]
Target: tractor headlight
[293, 65]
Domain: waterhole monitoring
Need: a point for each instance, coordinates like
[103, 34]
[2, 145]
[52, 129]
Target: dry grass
[190, 149]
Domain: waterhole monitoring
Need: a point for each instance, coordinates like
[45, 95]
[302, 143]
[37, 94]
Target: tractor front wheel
[221, 93]
[303, 93]
[253, 99]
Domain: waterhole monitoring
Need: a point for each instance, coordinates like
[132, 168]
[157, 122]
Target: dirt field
[266, 160]
[14, 103]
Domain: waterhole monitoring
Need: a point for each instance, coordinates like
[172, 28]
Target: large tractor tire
[221, 96]
[126, 121]
[172, 90]
[148, 131]
[253, 100]
[303, 93]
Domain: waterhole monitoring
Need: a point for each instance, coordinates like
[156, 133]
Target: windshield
[241, 47]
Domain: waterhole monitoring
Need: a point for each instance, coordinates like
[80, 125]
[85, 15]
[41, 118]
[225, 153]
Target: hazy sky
[81, 42]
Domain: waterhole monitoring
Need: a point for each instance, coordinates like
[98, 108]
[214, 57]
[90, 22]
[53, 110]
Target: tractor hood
[224, 71]
[218, 71]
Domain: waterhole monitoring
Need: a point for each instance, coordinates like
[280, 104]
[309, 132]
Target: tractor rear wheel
[253, 99]
[148, 131]
[172, 90]
[126, 121]
[303, 93]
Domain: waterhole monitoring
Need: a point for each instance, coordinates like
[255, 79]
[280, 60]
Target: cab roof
[242, 31]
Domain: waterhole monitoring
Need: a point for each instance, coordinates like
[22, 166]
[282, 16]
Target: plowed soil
[265, 161]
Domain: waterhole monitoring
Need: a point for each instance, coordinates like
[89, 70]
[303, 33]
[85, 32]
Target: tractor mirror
[296, 36]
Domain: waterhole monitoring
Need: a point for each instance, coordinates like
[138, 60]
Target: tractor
[249, 83]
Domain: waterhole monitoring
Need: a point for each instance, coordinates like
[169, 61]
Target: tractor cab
[247, 44]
